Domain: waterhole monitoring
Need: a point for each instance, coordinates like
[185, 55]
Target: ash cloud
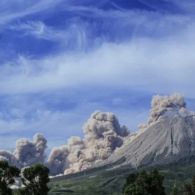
[27, 152]
[8, 156]
[162, 106]
[102, 135]
[57, 161]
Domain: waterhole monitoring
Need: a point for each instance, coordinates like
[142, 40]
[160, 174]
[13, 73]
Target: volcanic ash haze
[26, 152]
[168, 135]
[102, 135]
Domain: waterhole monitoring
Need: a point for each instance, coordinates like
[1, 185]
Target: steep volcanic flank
[168, 136]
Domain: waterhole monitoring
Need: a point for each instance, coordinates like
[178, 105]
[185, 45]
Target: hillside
[165, 142]
[103, 181]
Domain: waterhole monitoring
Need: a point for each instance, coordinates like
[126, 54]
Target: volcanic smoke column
[102, 135]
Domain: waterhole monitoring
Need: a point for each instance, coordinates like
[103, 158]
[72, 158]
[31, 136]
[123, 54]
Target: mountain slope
[168, 136]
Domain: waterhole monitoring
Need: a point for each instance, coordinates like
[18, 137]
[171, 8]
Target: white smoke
[101, 124]
[57, 161]
[8, 156]
[102, 135]
[161, 106]
[3, 158]
[26, 152]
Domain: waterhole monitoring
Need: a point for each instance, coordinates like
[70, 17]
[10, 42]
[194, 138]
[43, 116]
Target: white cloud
[142, 63]
[73, 34]
[16, 9]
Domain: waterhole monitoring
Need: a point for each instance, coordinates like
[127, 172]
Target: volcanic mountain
[168, 136]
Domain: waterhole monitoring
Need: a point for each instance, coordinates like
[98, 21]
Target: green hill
[105, 181]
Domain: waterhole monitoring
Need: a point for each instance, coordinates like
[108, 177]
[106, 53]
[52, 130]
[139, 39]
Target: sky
[61, 60]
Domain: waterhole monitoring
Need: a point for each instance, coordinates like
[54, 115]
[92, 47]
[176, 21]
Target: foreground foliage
[33, 179]
[110, 180]
[144, 183]
[151, 183]
[7, 177]
[178, 180]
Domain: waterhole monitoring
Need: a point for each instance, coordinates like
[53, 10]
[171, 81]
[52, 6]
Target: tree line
[33, 180]
[151, 183]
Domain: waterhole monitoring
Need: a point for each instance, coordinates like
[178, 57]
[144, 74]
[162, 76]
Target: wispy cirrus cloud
[16, 9]
[130, 64]
[72, 36]
[37, 29]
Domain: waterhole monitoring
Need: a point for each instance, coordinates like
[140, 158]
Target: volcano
[168, 136]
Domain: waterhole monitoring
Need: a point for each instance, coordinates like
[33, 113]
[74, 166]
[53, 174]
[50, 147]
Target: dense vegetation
[33, 180]
[151, 183]
[111, 181]
[7, 177]
[172, 179]
[144, 183]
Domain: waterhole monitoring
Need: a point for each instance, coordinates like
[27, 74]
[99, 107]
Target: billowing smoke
[101, 124]
[8, 156]
[102, 135]
[57, 161]
[27, 152]
[163, 105]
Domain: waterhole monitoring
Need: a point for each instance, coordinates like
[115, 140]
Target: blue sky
[60, 60]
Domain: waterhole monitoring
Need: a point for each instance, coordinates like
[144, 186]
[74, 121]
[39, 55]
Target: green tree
[8, 175]
[193, 185]
[155, 183]
[175, 190]
[35, 179]
[144, 184]
[130, 180]
[187, 189]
